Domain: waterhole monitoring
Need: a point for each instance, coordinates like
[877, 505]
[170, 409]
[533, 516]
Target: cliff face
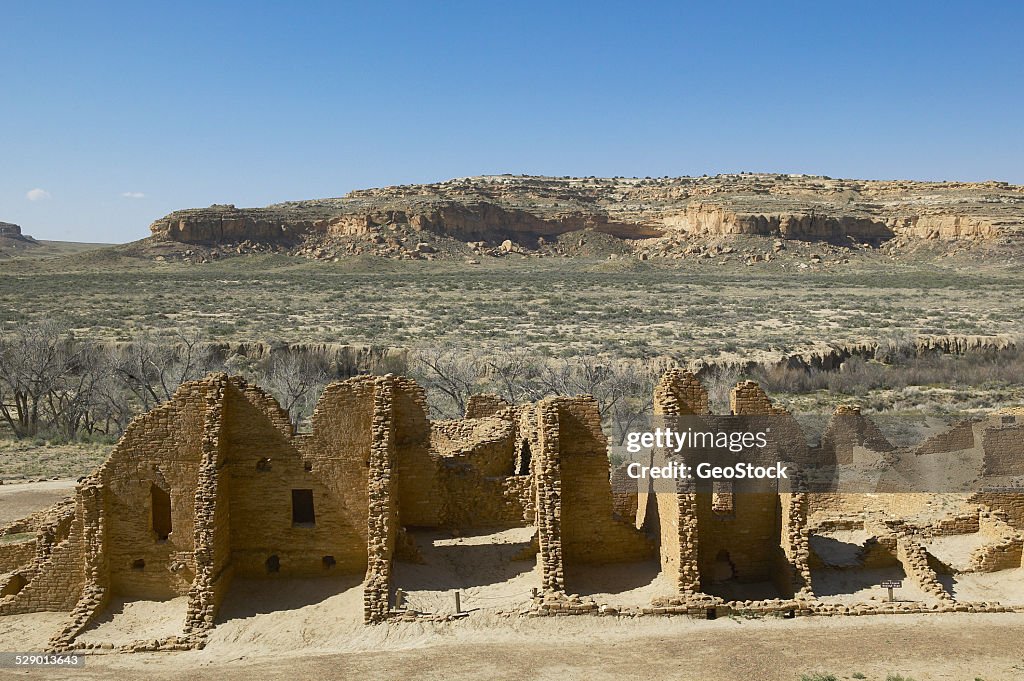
[13, 242]
[477, 221]
[702, 218]
[522, 209]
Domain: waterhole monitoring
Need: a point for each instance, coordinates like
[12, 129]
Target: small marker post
[458, 603]
[891, 584]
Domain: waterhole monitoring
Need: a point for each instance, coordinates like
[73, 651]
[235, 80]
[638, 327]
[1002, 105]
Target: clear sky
[113, 114]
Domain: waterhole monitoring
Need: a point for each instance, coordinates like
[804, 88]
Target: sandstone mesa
[524, 209]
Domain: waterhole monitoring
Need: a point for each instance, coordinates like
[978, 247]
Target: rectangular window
[302, 507]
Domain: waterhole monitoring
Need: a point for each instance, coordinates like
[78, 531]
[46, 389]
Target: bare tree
[638, 381]
[622, 389]
[514, 371]
[719, 385]
[33, 359]
[448, 372]
[153, 368]
[296, 380]
[75, 399]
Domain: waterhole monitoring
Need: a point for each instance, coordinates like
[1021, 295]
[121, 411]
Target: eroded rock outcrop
[523, 209]
[13, 241]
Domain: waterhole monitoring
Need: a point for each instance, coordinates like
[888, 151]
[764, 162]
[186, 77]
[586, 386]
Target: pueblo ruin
[215, 486]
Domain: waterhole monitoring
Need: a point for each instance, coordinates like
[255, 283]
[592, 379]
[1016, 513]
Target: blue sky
[113, 114]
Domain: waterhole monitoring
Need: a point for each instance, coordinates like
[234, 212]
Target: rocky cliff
[524, 209]
[12, 241]
[9, 230]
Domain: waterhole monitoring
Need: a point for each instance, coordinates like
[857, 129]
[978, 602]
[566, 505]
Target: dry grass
[555, 306]
[34, 460]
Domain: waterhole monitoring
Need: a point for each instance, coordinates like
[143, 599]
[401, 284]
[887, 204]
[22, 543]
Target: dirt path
[926, 648]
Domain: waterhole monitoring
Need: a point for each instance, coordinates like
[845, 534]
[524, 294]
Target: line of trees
[623, 389]
[57, 385]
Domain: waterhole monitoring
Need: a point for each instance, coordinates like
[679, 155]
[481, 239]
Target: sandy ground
[481, 566]
[851, 586]
[844, 582]
[18, 500]
[125, 621]
[619, 585]
[485, 570]
[282, 616]
[309, 628]
[29, 632]
[951, 647]
[955, 550]
[1005, 586]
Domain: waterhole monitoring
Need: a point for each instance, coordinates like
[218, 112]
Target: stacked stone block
[547, 469]
[382, 523]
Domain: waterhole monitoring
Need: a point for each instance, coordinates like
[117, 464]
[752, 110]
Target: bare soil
[491, 570]
[31, 461]
[125, 621]
[1005, 586]
[922, 647]
[22, 499]
[956, 550]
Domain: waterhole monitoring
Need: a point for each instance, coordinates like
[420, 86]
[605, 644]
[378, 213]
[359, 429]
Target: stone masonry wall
[795, 570]
[1004, 448]
[547, 470]
[680, 393]
[338, 450]
[15, 555]
[590, 531]
[419, 492]
[212, 519]
[1002, 551]
[226, 456]
[484, 404]
[263, 469]
[847, 431]
[957, 438]
[382, 525]
[624, 494]
[1010, 503]
[58, 580]
[747, 398]
[161, 449]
